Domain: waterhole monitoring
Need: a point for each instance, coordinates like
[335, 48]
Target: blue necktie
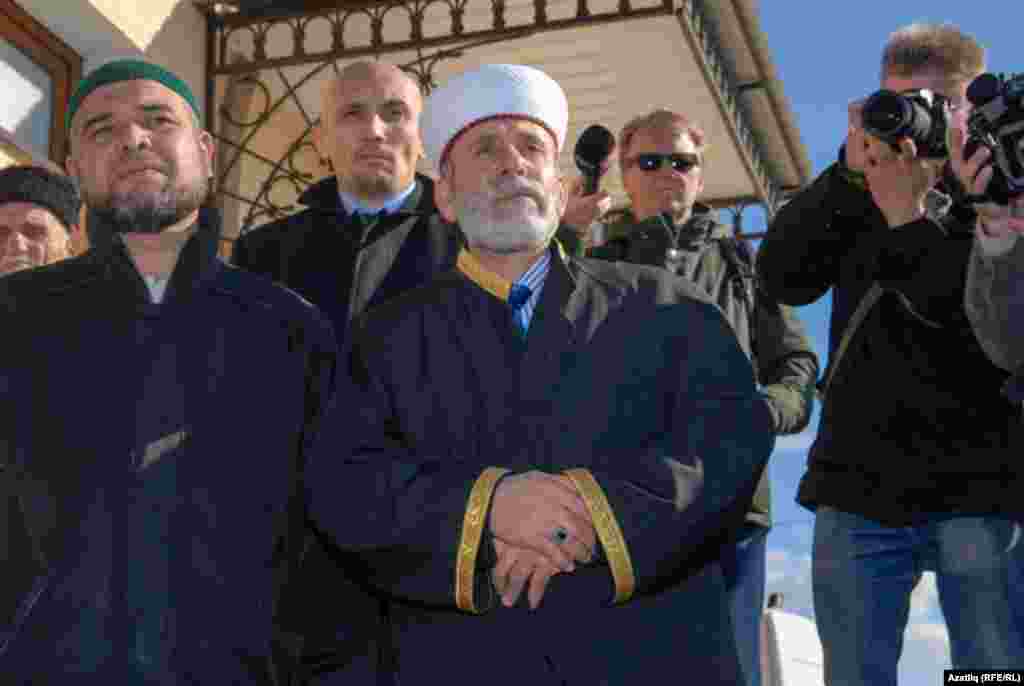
[518, 295]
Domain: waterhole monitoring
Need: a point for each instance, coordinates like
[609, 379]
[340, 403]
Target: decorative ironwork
[738, 212]
[287, 171]
[701, 30]
[246, 50]
[261, 54]
[386, 20]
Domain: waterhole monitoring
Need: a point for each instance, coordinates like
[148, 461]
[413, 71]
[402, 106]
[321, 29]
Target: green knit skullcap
[127, 70]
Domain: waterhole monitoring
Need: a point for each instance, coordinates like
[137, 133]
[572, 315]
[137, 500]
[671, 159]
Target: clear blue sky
[826, 54]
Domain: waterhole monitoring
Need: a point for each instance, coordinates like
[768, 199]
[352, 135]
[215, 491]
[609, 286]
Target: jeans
[743, 566]
[864, 572]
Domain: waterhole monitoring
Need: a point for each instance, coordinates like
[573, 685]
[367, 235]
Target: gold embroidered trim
[482, 276]
[608, 531]
[472, 530]
[562, 254]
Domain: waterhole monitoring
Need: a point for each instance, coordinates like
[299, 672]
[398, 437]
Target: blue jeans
[743, 566]
[863, 573]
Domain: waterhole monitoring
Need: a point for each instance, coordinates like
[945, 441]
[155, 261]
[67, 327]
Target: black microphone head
[593, 150]
[983, 89]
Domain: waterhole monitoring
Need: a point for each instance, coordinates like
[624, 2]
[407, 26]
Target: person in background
[994, 296]
[368, 233]
[38, 214]
[662, 155]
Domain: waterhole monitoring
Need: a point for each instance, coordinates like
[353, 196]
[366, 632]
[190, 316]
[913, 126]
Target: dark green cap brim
[127, 70]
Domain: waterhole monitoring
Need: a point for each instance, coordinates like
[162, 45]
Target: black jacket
[914, 422]
[330, 259]
[769, 333]
[156, 452]
[627, 372]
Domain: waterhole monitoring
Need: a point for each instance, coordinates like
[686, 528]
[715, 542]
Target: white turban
[494, 90]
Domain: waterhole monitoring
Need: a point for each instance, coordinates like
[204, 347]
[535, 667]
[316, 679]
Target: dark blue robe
[627, 372]
[157, 450]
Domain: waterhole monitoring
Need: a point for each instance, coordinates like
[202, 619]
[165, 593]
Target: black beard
[147, 214]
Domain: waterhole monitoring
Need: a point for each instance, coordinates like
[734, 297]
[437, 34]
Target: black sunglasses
[681, 162]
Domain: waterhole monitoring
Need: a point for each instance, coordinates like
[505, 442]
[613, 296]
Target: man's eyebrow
[92, 121]
[531, 137]
[483, 139]
[153, 108]
[157, 108]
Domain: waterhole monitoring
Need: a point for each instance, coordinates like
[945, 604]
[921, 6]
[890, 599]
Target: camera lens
[887, 115]
[918, 115]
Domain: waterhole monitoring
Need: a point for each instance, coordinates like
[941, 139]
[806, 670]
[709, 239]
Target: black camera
[997, 122]
[918, 115]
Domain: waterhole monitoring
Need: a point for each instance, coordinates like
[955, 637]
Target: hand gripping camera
[918, 115]
[997, 122]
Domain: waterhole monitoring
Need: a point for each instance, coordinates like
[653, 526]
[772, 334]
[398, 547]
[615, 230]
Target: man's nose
[510, 161]
[16, 243]
[375, 127]
[134, 137]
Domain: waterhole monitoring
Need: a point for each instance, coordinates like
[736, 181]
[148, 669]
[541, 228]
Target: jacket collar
[197, 264]
[323, 196]
[700, 228]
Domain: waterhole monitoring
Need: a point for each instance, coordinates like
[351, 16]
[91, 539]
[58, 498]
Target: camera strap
[859, 315]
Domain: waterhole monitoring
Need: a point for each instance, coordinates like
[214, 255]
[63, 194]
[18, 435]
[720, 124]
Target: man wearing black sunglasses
[662, 161]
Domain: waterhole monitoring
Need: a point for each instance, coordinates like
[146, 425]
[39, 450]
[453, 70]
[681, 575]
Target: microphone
[593, 151]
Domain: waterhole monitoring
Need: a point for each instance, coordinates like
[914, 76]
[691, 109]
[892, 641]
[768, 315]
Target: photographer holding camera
[994, 176]
[914, 466]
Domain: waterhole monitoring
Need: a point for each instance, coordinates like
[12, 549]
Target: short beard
[474, 211]
[369, 186]
[146, 213]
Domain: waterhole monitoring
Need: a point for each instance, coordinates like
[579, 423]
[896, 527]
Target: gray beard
[504, 236]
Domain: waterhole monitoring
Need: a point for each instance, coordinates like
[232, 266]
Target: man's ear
[563, 194]
[71, 165]
[209, 148]
[443, 196]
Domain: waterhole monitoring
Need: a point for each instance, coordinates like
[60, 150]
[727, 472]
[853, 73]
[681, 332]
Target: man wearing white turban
[547, 452]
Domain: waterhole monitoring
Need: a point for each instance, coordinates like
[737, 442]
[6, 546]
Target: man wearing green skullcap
[128, 70]
[159, 507]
